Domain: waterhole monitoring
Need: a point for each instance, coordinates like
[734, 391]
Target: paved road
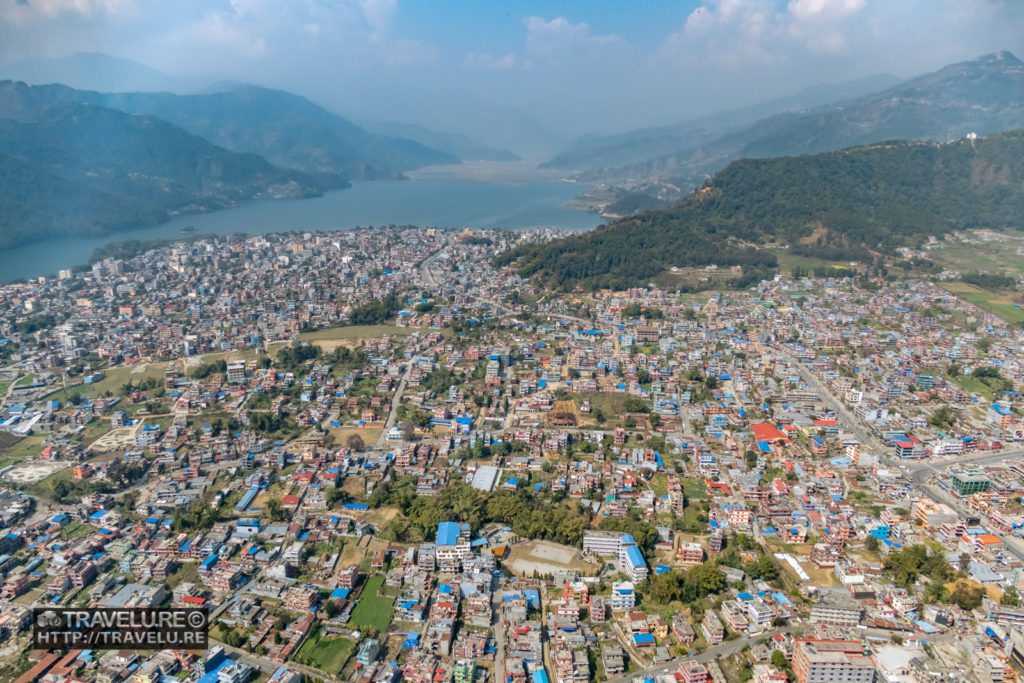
[393, 413]
[724, 649]
[849, 420]
[922, 472]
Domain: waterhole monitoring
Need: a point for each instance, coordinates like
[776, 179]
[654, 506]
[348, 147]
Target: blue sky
[572, 67]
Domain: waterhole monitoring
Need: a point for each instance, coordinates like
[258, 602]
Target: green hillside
[855, 204]
[85, 170]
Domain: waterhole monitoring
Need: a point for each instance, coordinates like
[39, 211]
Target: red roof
[765, 432]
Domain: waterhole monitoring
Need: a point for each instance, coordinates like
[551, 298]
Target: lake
[509, 196]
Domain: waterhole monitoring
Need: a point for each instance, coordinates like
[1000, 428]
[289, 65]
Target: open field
[789, 261]
[33, 472]
[705, 281]
[974, 385]
[94, 430]
[610, 403]
[996, 304]
[694, 488]
[357, 332]
[341, 434]
[373, 610]
[113, 380]
[980, 255]
[14, 450]
[250, 353]
[325, 653]
[547, 558]
[122, 438]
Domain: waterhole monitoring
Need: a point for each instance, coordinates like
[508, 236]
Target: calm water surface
[430, 199]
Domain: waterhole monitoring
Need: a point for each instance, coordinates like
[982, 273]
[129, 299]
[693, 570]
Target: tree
[942, 418]
[779, 660]
[871, 543]
[654, 419]
[354, 442]
[1010, 597]
[967, 596]
[408, 430]
[275, 512]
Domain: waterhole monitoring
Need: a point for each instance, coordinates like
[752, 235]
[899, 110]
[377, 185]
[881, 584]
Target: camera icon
[48, 619]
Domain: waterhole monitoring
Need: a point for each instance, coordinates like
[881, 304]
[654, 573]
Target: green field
[694, 488]
[95, 430]
[974, 385]
[357, 332]
[373, 610]
[13, 450]
[788, 261]
[327, 654]
[996, 304]
[113, 380]
[76, 530]
[25, 381]
[611, 403]
[990, 257]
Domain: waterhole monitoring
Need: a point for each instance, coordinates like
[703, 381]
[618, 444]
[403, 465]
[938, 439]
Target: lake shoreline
[435, 201]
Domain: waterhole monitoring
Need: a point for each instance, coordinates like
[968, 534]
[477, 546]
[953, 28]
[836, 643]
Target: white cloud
[824, 9]
[560, 39]
[29, 11]
[486, 60]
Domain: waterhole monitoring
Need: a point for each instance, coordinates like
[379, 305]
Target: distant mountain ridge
[604, 151]
[286, 129]
[859, 203]
[93, 71]
[983, 96]
[455, 144]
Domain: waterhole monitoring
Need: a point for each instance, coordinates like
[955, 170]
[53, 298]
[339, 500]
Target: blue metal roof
[634, 557]
[447, 533]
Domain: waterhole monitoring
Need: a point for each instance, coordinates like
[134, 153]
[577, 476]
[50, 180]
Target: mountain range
[286, 129]
[78, 169]
[79, 162]
[605, 151]
[859, 203]
[982, 96]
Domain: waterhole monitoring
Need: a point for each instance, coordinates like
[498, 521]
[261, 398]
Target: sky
[561, 68]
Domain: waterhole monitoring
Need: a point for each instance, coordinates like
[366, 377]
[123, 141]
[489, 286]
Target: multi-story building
[759, 613]
[832, 661]
[623, 596]
[691, 671]
[690, 554]
[452, 545]
[598, 609]
[711, 627]
[834, 610]
[300, 599]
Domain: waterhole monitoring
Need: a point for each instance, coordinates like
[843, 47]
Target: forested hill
[858, 203]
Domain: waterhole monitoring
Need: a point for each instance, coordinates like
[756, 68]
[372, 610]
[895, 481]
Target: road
[499, 636]
[849, 420]
[393, 413]
[922, 472]
[723, 649]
